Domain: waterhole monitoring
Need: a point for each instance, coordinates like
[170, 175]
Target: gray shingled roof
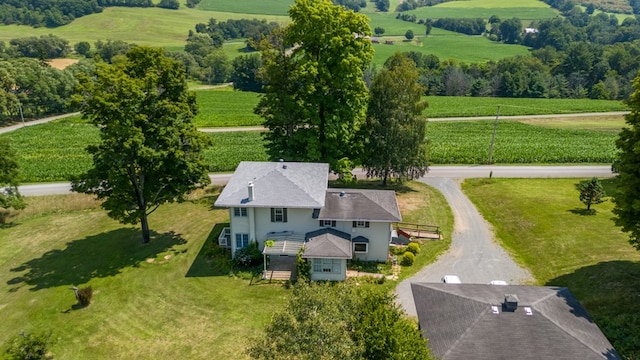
[327, 243]
[276, 184]
[459, 323]
[359, 204]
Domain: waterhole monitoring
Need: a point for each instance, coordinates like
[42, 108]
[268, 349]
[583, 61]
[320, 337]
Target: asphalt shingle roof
[360, 204]
[327, 243]
[276, 184]
[459, 322]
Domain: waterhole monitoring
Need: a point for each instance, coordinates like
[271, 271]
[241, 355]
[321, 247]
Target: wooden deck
[419, 231]
[281, 268]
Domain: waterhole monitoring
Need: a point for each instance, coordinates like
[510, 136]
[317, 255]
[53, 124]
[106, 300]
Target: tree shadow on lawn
[610, 292]
[95, 256]
[211, 259]
[583, 211]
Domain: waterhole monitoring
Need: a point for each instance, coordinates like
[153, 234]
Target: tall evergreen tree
[395, 130]
[627, 196]
[315, 108]
[150, 151]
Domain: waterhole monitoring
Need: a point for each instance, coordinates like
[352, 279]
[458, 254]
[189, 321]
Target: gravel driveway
[474, 256]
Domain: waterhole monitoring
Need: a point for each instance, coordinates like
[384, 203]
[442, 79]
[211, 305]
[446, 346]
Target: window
[325, 223]
[326, 266]
[242, 240]
[278, 215]
[360, 247]
[360, 224]
[239, 211]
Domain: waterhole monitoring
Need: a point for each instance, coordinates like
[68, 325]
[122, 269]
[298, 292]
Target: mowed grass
[542, 224]
[523, 9]
[161, 300]
[469, 49]
[267, 7]
[142, 26]
[157, 301]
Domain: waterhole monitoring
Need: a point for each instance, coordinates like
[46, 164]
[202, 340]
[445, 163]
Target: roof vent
[250, 190]
[281, 160]
[510, 302]
[342, 193]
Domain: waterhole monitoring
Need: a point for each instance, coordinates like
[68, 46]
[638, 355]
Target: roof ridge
[277, 169]
[377, 202]
[468, 329]
[559, 324]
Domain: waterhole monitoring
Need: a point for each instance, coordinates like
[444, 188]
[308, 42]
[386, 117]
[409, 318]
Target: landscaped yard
[161, 300]
[541, 223]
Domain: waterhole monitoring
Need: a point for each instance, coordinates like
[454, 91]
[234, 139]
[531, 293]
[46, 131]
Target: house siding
[342, 276]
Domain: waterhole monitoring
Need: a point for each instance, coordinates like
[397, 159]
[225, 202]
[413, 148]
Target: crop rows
[55, 151]
[226, 107]
[516, 143]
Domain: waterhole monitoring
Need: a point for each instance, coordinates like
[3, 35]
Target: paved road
[457, 172]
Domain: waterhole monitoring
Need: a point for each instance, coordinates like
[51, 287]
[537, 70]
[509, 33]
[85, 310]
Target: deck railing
[418, 230]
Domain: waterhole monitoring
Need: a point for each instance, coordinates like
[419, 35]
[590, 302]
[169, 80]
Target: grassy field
[230, 148]
[266, 7]
[150, 26]
[169, 28]
[224, 107]
[157, 301]
[542, 224]
[523, 9]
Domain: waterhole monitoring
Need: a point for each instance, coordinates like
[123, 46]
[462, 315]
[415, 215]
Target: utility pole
[493, 137]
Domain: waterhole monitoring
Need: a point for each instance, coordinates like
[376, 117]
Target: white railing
[224, 240]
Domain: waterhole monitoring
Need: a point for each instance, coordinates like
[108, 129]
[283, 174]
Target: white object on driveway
[451, 279]
[498, 282]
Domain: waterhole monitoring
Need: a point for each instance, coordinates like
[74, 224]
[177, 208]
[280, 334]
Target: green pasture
[260, 7]
[148, 26]
[523, 9]
[469, 49]
[542, 223]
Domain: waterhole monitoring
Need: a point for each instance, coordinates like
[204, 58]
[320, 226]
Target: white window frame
[242, 240]
[239, 212]
[279, 215]
[366, 247]
[327, 266]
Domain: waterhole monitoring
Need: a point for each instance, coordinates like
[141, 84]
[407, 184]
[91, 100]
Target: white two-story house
[290, 204]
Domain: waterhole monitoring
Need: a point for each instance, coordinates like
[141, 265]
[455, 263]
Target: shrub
[414, 248]
[28, 346]
[85, 295]
[408, 258]
[397, 250]
[249, 256]
[303, 267]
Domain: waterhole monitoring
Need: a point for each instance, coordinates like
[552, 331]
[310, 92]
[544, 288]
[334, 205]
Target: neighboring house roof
[469, 321]
[359, 204]
[276, 184]
[327, 243]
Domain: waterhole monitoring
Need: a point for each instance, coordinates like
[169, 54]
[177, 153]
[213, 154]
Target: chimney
[250, 189]
[284, 166]
[510, 302]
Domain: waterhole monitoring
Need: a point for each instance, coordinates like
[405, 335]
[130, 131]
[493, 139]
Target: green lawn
[162, 300]
[542, 224]
[157, 301]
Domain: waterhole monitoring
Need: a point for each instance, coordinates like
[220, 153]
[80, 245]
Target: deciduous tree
[627, 196]
[9, 195]
[315, 108]
[395, 130]
[150, 151]
[591, 192]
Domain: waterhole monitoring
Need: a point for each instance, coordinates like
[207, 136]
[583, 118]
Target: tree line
[54, 13]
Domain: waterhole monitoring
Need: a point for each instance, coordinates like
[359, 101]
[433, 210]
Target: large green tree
[315, 97]
[150, 151]
[395, 129]
[9, 195]
[627, 196]
[338, 321]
